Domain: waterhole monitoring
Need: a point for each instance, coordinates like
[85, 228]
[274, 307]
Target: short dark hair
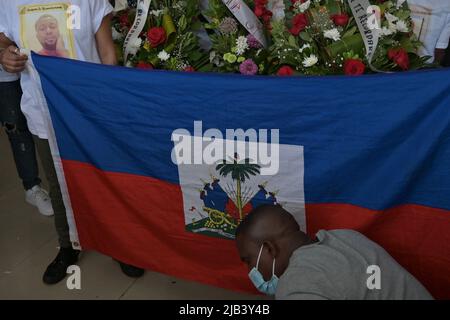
[260, 212]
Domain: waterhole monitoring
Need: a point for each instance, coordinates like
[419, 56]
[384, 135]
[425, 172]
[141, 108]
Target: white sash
[142, 10]
[370, 36]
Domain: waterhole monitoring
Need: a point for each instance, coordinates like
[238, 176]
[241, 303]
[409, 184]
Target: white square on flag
[214, 202]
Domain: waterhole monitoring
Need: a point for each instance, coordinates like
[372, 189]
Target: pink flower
[253, 42]
[248, 67]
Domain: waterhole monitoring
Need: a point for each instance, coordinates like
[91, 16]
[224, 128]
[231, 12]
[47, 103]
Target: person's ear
[272, 247]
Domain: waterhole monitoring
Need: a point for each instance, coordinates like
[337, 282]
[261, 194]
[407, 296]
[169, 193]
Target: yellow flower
[147, 46]
[229, 57]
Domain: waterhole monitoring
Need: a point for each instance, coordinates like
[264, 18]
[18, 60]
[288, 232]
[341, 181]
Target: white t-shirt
[8, 77]
[51, 27]
[431, 24]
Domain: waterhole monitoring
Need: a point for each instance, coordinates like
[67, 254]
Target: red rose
[144, 65]
[392, 53]
[340, 19]
[123, 19]
[259, 11]
[267, 16]
[261, 3]
[189, 69]
[354, 67]
[156, 36]
[299, 23]
[400, 57]
[285, 71]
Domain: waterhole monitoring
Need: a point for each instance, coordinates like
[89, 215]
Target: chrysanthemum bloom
[248, 67]
[228, 26]
[253, 42]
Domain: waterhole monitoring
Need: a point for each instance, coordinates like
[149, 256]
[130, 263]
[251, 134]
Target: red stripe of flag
[132, 218]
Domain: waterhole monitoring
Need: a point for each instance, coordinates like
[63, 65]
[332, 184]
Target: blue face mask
[267, 287]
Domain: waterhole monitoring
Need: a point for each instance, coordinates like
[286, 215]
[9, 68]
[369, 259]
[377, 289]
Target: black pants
[61, 225]
[20, 138]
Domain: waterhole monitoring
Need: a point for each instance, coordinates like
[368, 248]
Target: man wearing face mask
[286, 263]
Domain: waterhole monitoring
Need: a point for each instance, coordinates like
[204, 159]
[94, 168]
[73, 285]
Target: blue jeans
[20, 138]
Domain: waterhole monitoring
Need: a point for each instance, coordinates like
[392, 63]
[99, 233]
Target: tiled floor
[28, 243]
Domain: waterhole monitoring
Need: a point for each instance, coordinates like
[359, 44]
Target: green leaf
[305, 36]
[182, 23]
[349, 32]
[333, 7]
[403, 14]
[354, 43]
[292, 41]
[171, 32]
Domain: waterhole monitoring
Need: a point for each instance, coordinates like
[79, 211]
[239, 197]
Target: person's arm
[105, 44]
[4, 41]
[10, 57]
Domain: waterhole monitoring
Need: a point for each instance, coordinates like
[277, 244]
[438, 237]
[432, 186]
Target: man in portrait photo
[48, 34]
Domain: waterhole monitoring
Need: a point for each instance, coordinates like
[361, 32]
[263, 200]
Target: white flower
[310, 61]
[390, 18]
[163, 55]
[302, 7]
[116, 35]
[332, 34]
[135, 46]
[305, 6]
[215, 59]
[386, 31]
[401, 26]
[305, 46]
[212, 56]
[241, 45]
[156, 13]
[400, 3]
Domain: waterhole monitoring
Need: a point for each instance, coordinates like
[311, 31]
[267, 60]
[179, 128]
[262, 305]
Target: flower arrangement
[320, 37]
[309, 37]
[234, 49]
[168, 41]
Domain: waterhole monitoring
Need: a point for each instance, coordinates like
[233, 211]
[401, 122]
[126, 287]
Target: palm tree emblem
[240, 171]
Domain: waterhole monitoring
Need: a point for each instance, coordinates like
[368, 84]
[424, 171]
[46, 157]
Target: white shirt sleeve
[99, 10]
[445, 35]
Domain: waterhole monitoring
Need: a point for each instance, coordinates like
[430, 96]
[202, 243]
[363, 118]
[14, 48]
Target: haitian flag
[145, 181]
